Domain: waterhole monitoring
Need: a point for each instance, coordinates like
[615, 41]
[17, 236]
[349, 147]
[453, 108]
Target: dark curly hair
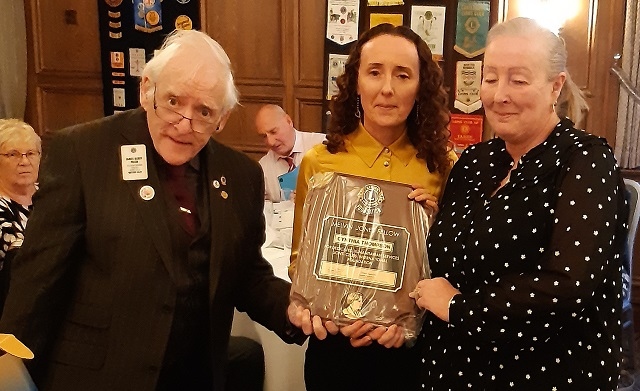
[427, 129]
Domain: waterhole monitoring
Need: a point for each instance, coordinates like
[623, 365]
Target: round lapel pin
[224, 194]
[216, 184]
[223, 180]
[147, 192]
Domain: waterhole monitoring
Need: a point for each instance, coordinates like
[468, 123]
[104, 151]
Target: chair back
[633, 190]
[633, 196]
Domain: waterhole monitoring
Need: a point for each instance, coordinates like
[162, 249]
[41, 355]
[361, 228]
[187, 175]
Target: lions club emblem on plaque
[370, 199]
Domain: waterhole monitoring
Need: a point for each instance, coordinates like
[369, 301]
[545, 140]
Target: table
[284, 363]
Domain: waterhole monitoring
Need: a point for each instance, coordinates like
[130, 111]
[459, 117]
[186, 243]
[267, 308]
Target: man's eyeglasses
[17, 156]
[202, 126]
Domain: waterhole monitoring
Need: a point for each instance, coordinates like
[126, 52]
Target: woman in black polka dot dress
[525, 252]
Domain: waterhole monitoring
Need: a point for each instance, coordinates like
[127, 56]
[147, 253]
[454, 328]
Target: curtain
[628, 128]
[13, 59]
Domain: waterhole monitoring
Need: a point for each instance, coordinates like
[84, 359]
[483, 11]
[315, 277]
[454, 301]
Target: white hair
[571, 102]
[201, 47]
[14, 129]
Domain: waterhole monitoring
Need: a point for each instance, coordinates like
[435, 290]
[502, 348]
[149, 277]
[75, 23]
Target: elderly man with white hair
[145, 235]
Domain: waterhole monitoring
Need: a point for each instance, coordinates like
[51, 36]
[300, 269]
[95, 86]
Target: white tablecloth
[283, 363]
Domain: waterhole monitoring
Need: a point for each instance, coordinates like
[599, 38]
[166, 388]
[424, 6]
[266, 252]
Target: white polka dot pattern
[538, 265]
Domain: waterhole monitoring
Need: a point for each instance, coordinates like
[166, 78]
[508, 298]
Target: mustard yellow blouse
[365, 156]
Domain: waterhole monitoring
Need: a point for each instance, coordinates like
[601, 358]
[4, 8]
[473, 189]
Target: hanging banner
[468, 81]
[336, 68]
[428, 22]
[472, 26]
[465, 130]
[342, 21]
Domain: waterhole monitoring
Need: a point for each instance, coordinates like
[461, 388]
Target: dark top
[538, 267]
[186, 362]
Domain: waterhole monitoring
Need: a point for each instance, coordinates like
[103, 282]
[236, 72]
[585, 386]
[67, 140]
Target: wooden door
[64, 83]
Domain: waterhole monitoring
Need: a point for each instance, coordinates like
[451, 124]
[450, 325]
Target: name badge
[134, 162]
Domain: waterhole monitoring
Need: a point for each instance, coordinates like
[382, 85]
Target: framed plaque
[362, 250]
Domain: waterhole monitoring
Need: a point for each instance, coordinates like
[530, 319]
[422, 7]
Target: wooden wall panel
[254, 42]
[308, 32]
[240, 129]
[310, 113]
[276, 49]
[251, 34]
[64, 81]
[65, 107]
[607, 41]
[308, 51]
[67, 35]
[578, 36]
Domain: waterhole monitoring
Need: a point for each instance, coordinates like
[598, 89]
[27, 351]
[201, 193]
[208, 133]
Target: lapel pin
[216, 184]
[224, 194]
[223, 180]
[147, 192]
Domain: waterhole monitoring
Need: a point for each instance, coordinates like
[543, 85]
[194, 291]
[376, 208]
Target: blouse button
[386, 150]
[386, 164]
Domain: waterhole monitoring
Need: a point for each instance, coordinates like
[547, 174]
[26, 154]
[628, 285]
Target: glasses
[173, 117]
[16, 156]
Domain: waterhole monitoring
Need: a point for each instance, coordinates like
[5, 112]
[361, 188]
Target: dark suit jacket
[92, 291]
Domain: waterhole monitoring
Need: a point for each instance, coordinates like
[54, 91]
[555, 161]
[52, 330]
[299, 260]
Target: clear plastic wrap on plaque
[362, 250]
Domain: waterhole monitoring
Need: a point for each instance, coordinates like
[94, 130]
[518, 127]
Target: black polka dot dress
[538, 264]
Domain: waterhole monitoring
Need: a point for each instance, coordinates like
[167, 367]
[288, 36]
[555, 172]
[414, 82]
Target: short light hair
[12, 129]
[571, 102]
[200, 45]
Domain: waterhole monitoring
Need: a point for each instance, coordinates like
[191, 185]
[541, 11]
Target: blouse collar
[369, 149]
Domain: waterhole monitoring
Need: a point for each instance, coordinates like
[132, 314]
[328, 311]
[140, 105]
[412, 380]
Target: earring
[417, 113]
[358, 114]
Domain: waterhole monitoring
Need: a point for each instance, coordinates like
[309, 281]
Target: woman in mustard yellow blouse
[388, 121]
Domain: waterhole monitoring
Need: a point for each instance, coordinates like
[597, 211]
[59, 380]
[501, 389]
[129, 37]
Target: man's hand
[359, 332]
[301, 318]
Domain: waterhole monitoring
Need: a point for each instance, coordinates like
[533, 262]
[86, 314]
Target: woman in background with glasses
[20, 150]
